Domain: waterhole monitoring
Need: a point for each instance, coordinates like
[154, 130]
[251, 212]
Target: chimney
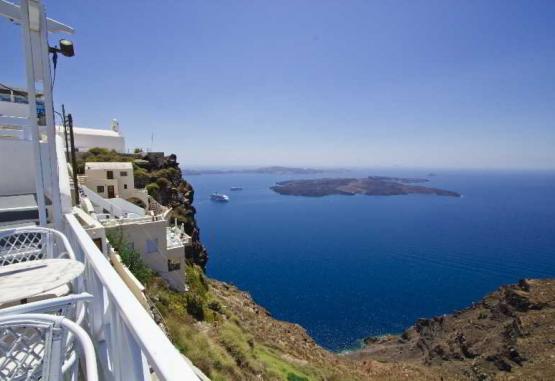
[115, 125]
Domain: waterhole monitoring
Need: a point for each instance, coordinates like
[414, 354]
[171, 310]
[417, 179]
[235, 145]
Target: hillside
[229, 337]
[508, 335]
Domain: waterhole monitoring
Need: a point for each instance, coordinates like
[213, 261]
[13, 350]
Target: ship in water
[219, 197]
[235, 189]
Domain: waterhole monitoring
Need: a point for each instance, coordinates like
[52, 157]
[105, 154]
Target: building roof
[93, 132]
[18, 202]
[108, 165]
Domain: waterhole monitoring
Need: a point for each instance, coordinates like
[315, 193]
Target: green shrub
[196, 281]
[99, 151]
[152, 189]
[214, 305]
[163, 183]
[195, 306]
[294, 377]
[130, 258]
[141, 178]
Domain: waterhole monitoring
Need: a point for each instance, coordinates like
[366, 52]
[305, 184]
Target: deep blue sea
[346, 267]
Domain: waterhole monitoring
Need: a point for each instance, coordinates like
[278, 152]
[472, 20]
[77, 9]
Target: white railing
[97, 199]
[111, 222]
[127, 341]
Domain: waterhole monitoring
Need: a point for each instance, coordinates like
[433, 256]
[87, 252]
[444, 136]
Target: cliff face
[164, 181]
[510, 334]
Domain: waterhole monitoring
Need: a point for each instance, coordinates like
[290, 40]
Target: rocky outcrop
[167, 186]
[509, 332]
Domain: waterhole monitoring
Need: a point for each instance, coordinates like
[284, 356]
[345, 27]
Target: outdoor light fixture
[66, 48]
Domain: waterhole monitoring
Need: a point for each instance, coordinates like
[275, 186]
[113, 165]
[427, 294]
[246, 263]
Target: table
[26, 279]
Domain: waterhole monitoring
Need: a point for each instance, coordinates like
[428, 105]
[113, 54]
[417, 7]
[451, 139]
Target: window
[151, 245]
[100, 189]
[109, 175]
[123, 173]
[20, 98]
[124, 186]
[173, 265]
[98, 243]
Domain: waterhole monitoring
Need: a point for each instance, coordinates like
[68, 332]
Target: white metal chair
[33, 347]
[71, 307]
[32, 243]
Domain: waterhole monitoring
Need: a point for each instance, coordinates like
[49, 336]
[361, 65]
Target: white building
[87, 138]
[114, 180]
[109, 186]
[162, 247]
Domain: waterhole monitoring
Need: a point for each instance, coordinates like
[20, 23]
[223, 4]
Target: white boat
[219, 197]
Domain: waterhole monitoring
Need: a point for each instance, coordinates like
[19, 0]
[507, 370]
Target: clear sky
[459, 84]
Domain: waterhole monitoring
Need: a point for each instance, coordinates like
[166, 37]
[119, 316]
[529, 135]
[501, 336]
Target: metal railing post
[73, 160]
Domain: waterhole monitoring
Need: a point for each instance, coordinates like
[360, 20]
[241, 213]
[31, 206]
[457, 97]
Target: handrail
[126, 338]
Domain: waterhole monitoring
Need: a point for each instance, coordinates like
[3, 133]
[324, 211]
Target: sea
[349, 267]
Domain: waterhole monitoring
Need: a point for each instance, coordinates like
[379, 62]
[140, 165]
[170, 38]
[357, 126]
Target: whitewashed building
[114, 180]
[87, 138]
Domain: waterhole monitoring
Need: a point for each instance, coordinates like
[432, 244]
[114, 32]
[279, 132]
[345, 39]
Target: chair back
[32, 243]
[33, 347]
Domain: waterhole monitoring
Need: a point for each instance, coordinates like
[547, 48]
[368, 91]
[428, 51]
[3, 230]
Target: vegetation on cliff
[130, 257]
[210, 333]
[229, 337]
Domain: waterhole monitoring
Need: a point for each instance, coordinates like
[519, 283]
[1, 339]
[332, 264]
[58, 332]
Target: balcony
[129, 344]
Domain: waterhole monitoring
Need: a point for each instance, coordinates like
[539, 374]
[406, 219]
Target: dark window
[123, 173]
[172, 266]
[124, 186]
[100, 189]
[98, 243]
[151, 245]
[110, 175]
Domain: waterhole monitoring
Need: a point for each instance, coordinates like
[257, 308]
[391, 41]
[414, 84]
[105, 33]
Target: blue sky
[455, 84]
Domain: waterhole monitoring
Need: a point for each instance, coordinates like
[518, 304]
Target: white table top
[27, 279]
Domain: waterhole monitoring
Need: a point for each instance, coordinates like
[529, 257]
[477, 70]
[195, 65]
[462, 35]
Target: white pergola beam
[13, 12]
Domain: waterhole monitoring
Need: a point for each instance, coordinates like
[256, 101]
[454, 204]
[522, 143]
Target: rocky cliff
[163, 179]
[508, 335]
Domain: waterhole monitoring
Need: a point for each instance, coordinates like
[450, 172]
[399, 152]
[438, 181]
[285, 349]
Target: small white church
[87, 138]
